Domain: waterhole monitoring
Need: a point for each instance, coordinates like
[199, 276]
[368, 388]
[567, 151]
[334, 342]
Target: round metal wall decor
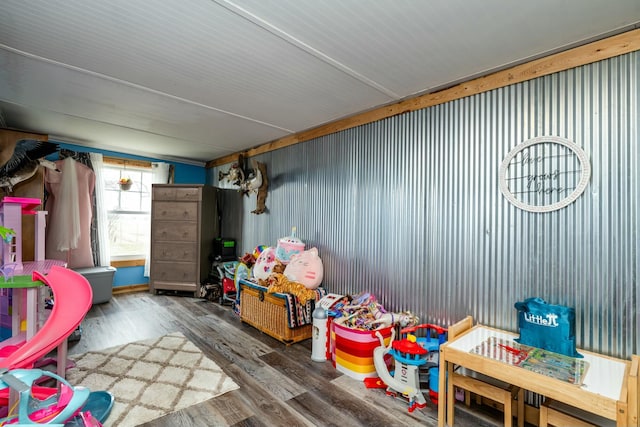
[544, 174]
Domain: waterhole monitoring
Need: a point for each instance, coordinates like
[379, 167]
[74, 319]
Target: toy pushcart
[226, 274]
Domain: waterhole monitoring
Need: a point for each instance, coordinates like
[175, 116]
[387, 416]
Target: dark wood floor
[279, 385]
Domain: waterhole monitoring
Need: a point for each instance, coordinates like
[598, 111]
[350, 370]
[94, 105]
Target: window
[128, 208]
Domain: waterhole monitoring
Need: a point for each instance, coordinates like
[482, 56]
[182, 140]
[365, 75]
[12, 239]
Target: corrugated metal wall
[409, 208]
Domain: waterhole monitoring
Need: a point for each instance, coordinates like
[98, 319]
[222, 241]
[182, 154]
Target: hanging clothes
[69, 207]
[97, 244]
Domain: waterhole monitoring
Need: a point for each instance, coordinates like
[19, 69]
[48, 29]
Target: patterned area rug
[150, 378]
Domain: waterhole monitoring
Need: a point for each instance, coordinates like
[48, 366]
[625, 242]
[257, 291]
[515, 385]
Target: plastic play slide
[72, 296]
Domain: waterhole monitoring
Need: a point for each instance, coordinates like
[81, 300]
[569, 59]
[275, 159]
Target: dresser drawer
[174, 272]
[175, 286]
[175, 251]
[174, 231]
[177, 193]
[185, 211]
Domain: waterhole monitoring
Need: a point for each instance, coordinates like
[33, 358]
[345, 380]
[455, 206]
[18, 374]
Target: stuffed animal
[278, 282]
[248, 259]
[258, 250]
[306, 268]
[277, 269]
[288, 246]
[265, 263]
[386, 319]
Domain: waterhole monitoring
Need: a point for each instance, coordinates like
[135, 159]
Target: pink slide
[72, 297]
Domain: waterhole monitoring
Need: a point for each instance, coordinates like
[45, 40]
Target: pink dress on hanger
[68, 235]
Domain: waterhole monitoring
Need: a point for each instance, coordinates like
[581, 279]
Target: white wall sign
[544, 174]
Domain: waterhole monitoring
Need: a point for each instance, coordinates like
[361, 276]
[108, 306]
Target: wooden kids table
[604, 389]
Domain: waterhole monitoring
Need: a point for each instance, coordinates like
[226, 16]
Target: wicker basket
[268, 313]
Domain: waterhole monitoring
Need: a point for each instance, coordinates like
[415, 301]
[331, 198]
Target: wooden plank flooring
[279, 385]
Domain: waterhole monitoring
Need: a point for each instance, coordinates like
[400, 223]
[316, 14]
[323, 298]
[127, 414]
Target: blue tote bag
[547, 326]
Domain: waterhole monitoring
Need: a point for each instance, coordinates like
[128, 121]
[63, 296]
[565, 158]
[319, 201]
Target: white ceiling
[196, 80]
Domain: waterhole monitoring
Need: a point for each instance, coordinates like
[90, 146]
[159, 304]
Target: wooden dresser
[183, 226]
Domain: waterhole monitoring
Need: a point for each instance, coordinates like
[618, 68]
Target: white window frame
[134, 166]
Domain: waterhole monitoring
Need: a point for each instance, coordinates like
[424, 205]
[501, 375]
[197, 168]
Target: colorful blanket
[301, 314]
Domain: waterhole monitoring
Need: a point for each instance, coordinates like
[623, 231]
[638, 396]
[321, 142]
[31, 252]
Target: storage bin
[352, 349]
[101, 281]
[268, 313]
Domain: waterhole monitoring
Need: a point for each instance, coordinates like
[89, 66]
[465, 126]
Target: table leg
[442, 391]
[521, 408]
[451, 395]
